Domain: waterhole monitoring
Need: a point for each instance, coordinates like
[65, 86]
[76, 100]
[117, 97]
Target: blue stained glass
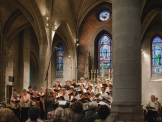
[156, 55]
[105, 53]
[59, 61]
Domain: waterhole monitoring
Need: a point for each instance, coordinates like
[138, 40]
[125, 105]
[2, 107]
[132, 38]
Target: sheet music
[62, 102]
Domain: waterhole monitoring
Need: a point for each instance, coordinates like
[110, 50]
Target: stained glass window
[59, 61]
[156, 55]
[104, 51]
[104, 15]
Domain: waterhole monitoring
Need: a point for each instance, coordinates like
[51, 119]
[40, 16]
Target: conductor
[152, 108]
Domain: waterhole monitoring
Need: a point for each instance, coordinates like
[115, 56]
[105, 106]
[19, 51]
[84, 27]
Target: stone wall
[90, 28]
[151, 83]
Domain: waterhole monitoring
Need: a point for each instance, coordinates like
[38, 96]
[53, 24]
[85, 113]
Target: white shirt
[153, 104]
[14, 105]
[25, 99]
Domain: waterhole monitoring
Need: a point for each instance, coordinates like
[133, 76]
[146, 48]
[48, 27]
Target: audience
[77, 107]
[7, 115]
[103, 113]
[52, 114]
[34, 114]
[67, 115]
[91, 112]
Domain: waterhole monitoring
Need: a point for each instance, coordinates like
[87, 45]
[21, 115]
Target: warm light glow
[69, 56]
[47, 18]
[77, 44]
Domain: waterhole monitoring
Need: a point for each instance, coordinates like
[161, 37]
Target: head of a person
[24, 91]
[103, 89]
[92, 94]
[110, 86]
[58, 112]
[7, 115]
[42, 89]
[81, 80]
[55, 104]
[58, 82]
[14, 94]
[152, 97]
[90, 88]
[35, 88]
[30, 88]
[93, 105]
[77, 107]
[81, 87]
[113, 118]
[67, 114]
[35, 93]
[74, 81]
[34, 113]
[75, 92]
[83, 95]
[103, 112]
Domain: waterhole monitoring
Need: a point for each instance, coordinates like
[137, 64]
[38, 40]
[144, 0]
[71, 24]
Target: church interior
[42, 41]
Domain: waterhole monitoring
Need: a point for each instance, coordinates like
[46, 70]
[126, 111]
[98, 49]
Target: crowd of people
[81, 101]
[83, 94]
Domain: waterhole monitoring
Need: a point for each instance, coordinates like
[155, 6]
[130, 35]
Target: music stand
[46, 78]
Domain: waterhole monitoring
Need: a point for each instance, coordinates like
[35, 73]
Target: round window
[104, 15]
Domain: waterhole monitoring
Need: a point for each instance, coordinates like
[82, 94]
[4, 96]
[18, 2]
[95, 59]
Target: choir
[83, 91]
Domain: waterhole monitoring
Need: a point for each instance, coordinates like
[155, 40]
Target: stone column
[26, 58]
[2, 65]
[127, 60]
[44, 58]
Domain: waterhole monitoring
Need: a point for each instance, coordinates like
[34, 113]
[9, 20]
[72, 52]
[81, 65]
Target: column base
[128, 112]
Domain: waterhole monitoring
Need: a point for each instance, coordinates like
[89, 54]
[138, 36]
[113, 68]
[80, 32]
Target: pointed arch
[104, 55]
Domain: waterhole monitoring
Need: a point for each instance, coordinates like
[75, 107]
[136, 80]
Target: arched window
[59, 61]
[105, 55]
[156, 55]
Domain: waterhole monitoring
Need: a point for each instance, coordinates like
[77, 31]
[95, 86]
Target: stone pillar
[44, 58]
[2, 65]
[26, 58]
[127, 60]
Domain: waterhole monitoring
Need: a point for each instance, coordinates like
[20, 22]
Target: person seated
[77, 107]
[56, 113]
[7, 115]
[91, 112]
[152, 108]
[34, 113]
[51, 114]
[67, 115]
[34, 88]
[103, 113]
